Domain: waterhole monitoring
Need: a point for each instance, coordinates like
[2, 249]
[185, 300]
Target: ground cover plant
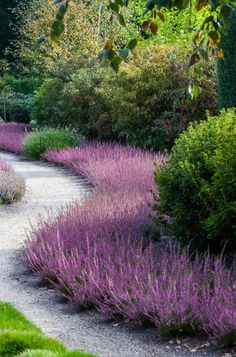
[12, 136]
[38, 142]
[99, 254]
[197, 187]
[19, 337]
[12, 185]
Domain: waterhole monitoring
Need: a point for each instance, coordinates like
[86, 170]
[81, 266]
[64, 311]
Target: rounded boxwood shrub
[38, 142]
[197, 188]
[14, 342]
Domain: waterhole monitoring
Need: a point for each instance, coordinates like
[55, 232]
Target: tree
[86, 27]
[6, 18]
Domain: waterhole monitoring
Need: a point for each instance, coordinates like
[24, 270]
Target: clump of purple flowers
[12, 136]
[5, 166]
[99, 254]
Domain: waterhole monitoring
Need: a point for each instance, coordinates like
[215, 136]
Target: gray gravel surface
[51, 188]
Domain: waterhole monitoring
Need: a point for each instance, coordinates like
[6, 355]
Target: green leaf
[115, 63]
[181, 4]
[121, 19]
[149, 6]
[119, 2]
[114, 7]
[207, 20]
[57, 28]
[132, 44]
[193, 91]
[61, 12]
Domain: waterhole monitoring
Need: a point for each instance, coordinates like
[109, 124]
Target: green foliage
[23, 85]
[38, 142]
[40, 353]
[197, 186]
[148, 100]
[18, 107]
[45, 108]
[12, 319]
[226, 68]
[146, 103]
[13, 342]
[19, 337]
[6, 17]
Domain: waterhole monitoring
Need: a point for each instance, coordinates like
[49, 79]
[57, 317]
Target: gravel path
[50, 188]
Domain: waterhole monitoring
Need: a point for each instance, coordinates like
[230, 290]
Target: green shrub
[197, 186]
[226, 68]
[13, 319]
[149, 102]
[13, 342]
[18, 107]
[38, 142]
[82, 103]
[45, 107]
[146, 103]
[23, 85]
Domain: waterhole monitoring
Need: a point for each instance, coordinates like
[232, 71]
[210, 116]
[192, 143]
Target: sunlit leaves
[58, 26]
[115, 6]
[193, 91]
[110, 55]
[132, 44]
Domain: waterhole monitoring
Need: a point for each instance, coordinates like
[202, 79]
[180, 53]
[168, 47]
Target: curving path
[50, 188]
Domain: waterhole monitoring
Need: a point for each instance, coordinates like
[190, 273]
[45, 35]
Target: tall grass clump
[99, 254]
[12, 185]
[12, 136]
[38, 142]
[19, 337]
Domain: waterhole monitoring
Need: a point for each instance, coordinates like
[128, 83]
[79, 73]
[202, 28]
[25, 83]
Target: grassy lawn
[19, 337]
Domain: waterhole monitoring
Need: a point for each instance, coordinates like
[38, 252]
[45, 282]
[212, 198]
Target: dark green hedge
[226, 68]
